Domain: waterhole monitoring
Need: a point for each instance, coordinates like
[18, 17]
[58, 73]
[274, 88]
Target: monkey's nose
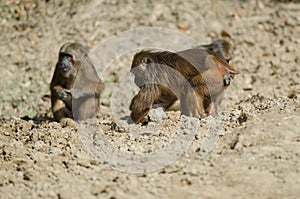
[65, 66]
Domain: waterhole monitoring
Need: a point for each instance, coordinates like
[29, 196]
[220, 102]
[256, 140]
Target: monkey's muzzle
[66, 61]
[66, 65]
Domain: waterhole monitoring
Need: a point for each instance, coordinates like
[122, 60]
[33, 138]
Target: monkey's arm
[59, 98]
[58, 92]
[143, 101]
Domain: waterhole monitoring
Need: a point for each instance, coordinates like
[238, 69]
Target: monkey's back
[172, 63]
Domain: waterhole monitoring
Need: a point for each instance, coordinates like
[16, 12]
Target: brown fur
[193, 76]
[162, 73]
[86, 92]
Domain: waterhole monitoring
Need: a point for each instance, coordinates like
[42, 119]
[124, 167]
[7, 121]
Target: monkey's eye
[67, 56]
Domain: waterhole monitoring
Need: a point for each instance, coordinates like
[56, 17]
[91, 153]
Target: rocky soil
[251, 150]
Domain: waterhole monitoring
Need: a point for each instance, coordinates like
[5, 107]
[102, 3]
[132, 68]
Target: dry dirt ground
[258, 151]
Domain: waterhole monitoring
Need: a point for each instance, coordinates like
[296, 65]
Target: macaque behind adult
[220, 47]
[75, 86]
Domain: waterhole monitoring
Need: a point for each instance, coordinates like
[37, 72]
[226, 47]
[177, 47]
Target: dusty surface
[257, 155]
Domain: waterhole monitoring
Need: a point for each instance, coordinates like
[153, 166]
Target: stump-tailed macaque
[75, 86]
[194, 76]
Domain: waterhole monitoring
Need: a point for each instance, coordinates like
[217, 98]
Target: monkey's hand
[63, 94]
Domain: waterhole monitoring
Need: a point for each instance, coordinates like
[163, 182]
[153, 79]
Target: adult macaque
[194, 76]
[75, 86]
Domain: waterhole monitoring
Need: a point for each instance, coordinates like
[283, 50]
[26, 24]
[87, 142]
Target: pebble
[98, 189]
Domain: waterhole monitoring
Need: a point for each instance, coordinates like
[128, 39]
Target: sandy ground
[255, 153]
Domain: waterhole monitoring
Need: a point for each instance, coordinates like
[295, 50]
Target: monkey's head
[220, 47]
[140, 67]
[70, 57]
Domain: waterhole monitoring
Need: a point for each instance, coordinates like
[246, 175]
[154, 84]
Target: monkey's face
[70, 58]
[66, 63]
[140, 70]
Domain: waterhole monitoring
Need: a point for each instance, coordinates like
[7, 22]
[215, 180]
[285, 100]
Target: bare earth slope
[257, 154]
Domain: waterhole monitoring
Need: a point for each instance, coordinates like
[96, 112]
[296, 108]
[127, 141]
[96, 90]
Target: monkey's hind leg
[192, 103]
[60, 110]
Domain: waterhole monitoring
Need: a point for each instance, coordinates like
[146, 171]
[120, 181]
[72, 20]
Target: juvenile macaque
[219, 48]
[194, 76]
[75, 77]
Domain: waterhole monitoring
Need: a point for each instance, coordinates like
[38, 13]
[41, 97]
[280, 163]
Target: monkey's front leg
[141, 103]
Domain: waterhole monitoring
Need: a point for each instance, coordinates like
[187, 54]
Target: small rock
[65, 194]
[157, 114]
[292, 94]
[287, 58]
[39, 145]
[242, 118]
[29, 176]
[183, 27]
[96, 190]
[94, 162]
[67, 122]
[289, 48]
[84, 163]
